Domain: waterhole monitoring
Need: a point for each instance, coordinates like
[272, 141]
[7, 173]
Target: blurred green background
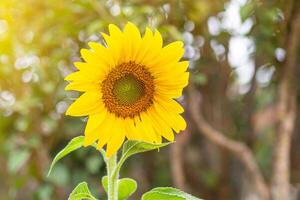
[236, 50]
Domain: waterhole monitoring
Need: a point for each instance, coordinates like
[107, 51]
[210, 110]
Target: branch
[287, 107]
[177, 160]
[239, 149]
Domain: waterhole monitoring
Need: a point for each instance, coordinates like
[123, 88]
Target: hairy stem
[112, 192]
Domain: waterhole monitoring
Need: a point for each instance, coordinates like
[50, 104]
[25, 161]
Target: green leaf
[81, 192]
[73, 145]
[127, 187]
[132, 147]
[167, 193]
[104, 182]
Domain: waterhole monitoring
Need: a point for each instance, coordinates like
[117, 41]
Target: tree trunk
[238, 149]
[280, 186]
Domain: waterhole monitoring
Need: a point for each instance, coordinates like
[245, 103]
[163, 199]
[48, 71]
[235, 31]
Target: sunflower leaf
[167, 193]
[127, 187]
[73, 145]
[104, 182]
[132, 147]
[80, 192]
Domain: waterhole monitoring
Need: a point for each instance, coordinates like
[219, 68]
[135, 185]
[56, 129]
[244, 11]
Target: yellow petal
[115, 43]
[114, 144]
[105, 130]
[178, 81]
[171, 89]
[130, 133]
[179, 123]
[133, 41]
[138, 129]
[94, 122]
[157, 39]
[155, 47]
[114, 31]
[116, 139]
[132, 31]
[81, 65]
[115, 47]
[84, 76]
[87, 104]
[75, 75]
[173, 93]
[175, 121]
[145, 44]
[171, 53]
[101, 55]
[147, 126]
[173, 69]
[89, 56]
[96, 69]
[93, 128]
[83, 87]
[160, 126]
[170, 104]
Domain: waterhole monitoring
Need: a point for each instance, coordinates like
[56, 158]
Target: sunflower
[129, 88]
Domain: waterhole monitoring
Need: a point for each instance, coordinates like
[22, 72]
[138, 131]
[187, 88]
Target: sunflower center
[128, 90]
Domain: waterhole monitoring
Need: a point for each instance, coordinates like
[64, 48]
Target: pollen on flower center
[128, 90]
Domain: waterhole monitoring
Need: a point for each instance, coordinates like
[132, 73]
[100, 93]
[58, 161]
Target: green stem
[112, 178]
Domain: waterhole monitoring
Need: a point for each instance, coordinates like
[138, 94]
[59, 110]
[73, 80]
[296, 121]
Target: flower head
[129, 88]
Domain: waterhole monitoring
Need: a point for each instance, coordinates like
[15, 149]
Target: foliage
[81, 192]
[126, 186]
[73, 145]
[167, 193]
